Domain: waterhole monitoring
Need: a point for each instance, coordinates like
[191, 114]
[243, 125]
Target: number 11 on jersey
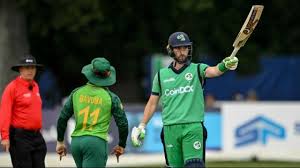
[86, 115]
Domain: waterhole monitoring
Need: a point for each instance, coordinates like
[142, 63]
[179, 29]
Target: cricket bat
[247, 28]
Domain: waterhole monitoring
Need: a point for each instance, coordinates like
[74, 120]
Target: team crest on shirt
[197, 145]
[188, 76]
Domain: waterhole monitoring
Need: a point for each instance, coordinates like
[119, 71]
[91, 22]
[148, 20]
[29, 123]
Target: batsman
[179, 88]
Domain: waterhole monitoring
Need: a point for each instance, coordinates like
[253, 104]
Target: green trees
[13, 39]
[67, 34]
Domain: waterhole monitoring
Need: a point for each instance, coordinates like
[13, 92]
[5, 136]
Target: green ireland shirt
[93, 107]
[181, 94]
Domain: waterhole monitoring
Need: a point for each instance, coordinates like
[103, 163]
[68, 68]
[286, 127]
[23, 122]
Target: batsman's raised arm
[229, 63]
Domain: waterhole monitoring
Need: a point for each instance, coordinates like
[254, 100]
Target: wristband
[222, 67]
[142, 125]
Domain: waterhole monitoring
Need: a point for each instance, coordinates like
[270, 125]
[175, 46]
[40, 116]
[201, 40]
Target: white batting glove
[231, 63]
[138, 135]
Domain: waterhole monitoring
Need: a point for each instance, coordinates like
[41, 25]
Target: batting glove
[231, 63]
[138, 135]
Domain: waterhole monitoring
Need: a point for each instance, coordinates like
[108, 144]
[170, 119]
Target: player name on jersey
[90, 100]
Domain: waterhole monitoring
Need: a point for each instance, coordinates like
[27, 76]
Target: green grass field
[249, 164]
[253, 164]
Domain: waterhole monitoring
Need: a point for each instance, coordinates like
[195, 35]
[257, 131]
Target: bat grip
[235, 50]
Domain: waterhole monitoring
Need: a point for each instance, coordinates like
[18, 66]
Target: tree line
[67, 34]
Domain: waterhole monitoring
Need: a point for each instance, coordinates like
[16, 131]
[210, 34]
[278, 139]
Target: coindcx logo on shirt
[179, 90]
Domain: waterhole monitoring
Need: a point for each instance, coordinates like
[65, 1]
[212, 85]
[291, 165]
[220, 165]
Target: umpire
[21, 117]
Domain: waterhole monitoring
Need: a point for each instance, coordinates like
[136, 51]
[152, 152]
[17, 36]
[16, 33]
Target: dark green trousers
[89, 151]
[183, 142]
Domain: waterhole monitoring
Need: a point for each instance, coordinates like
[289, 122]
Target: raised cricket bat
[247, 28]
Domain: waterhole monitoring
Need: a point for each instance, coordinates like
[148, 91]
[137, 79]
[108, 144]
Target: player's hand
[118, 151]
[61, 149]
[138, 135]
[231, 63]
[5, 145]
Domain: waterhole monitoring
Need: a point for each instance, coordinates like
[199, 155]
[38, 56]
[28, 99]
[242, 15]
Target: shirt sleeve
[155, 86]
[65, 114]
[6, 111]
[203, 68]
[120, 119]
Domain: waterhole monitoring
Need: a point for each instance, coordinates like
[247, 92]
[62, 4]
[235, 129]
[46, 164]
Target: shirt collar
[25, 82]
[179, 70]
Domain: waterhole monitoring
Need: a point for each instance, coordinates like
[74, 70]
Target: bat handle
[235, 50]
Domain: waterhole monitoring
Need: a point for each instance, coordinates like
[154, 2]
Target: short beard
[181, 61]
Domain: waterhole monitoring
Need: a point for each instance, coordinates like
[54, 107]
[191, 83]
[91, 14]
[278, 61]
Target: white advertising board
[267, 130]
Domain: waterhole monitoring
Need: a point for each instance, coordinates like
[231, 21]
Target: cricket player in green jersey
[180, 91]
[93, 105]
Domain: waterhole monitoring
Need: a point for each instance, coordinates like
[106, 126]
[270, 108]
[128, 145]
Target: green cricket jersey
[93, 108]
[88, 103]
[181, 94]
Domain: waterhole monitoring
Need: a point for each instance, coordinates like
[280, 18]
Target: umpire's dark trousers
[27, 148]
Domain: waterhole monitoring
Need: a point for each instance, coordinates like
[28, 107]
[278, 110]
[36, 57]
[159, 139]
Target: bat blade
[247, 28]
